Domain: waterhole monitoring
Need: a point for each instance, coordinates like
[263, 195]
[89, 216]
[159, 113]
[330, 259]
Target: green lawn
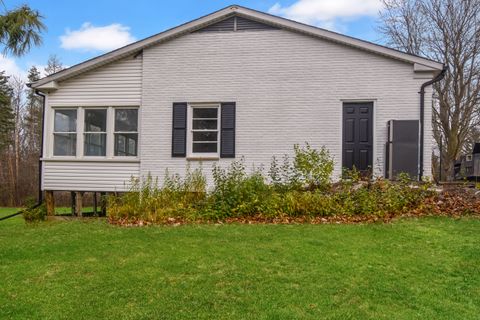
[87, 269]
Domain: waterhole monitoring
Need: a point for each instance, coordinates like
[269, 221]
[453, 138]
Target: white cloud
[11, 67]
[92, 38]
[329, 14]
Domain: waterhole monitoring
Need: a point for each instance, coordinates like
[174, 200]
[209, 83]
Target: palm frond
[20, 29]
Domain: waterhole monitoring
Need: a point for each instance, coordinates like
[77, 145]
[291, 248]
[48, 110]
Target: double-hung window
[95, 132]
[205, 130]
[126, 132]
[65, 132]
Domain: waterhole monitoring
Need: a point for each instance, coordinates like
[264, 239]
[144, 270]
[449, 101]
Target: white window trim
[80, 134]
[53, 132]
[127, 132]
[83, 132]
[198, 155]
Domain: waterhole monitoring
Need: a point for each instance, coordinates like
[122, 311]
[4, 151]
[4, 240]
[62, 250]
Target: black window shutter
[179, 129]
[227, 137]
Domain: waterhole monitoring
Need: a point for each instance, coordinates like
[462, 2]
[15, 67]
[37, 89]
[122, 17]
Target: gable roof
[421, 64]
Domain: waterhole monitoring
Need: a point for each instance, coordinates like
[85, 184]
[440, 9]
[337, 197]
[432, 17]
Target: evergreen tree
[7, 118]
[33, 116]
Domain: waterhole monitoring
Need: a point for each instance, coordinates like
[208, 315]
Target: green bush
[283, 177]
[311, 169]
[148, 202]
[308, 203]
[301, 187]
[237, 193]
[35, 214]
[314, 167]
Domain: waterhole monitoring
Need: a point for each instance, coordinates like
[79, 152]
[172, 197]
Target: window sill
[134, 160]
[203, 158]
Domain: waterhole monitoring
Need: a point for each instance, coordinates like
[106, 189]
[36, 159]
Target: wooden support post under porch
[99, 204]
[50, 203]
[78, 203]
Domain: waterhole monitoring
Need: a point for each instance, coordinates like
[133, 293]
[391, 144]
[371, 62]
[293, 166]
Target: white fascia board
[52, 85]
[417, 67]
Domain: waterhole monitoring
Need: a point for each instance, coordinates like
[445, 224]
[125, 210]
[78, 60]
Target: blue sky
[79, 30]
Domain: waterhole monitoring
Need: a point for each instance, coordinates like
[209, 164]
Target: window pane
[204, 147]
[95, 120]
[64, 144]
[126, 120]
[65, 121]
[205, 112]
[95, 144]
[204, 124]
[126, 144]
[205, 136]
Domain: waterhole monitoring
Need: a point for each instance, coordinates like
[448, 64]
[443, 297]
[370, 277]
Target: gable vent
[236, 24]
[224, 25]
[247, 24]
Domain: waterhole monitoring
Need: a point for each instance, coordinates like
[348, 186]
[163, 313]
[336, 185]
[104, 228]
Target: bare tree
[403, 25]
[18, 106]
[446, 31]
[54, 65]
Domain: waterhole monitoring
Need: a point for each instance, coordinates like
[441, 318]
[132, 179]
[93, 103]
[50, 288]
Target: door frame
[375, 158]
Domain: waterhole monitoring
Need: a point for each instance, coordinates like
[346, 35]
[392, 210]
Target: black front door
[357, 135]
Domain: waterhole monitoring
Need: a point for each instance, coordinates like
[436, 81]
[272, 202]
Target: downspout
[40, 194]
[439, 77]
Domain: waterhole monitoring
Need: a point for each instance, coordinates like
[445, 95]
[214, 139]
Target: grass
[5, 211]
[85, 269]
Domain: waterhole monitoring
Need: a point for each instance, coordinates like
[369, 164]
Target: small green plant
[36, 214]
[315, 167]
[237, 193]
[351, 175]
[283, 176]
[146, 201]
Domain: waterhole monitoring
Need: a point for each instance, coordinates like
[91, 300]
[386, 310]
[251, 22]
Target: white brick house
[234, 83]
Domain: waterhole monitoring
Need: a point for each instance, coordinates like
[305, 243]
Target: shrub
[308, 203]
[314, 166]
[148, 202]
[237, 194]
[283, 177]
[296, 189]
[311, 169]
[35, 214]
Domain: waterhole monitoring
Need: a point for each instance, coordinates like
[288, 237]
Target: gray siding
[116, 83]
[288, 89]
[89, 176]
